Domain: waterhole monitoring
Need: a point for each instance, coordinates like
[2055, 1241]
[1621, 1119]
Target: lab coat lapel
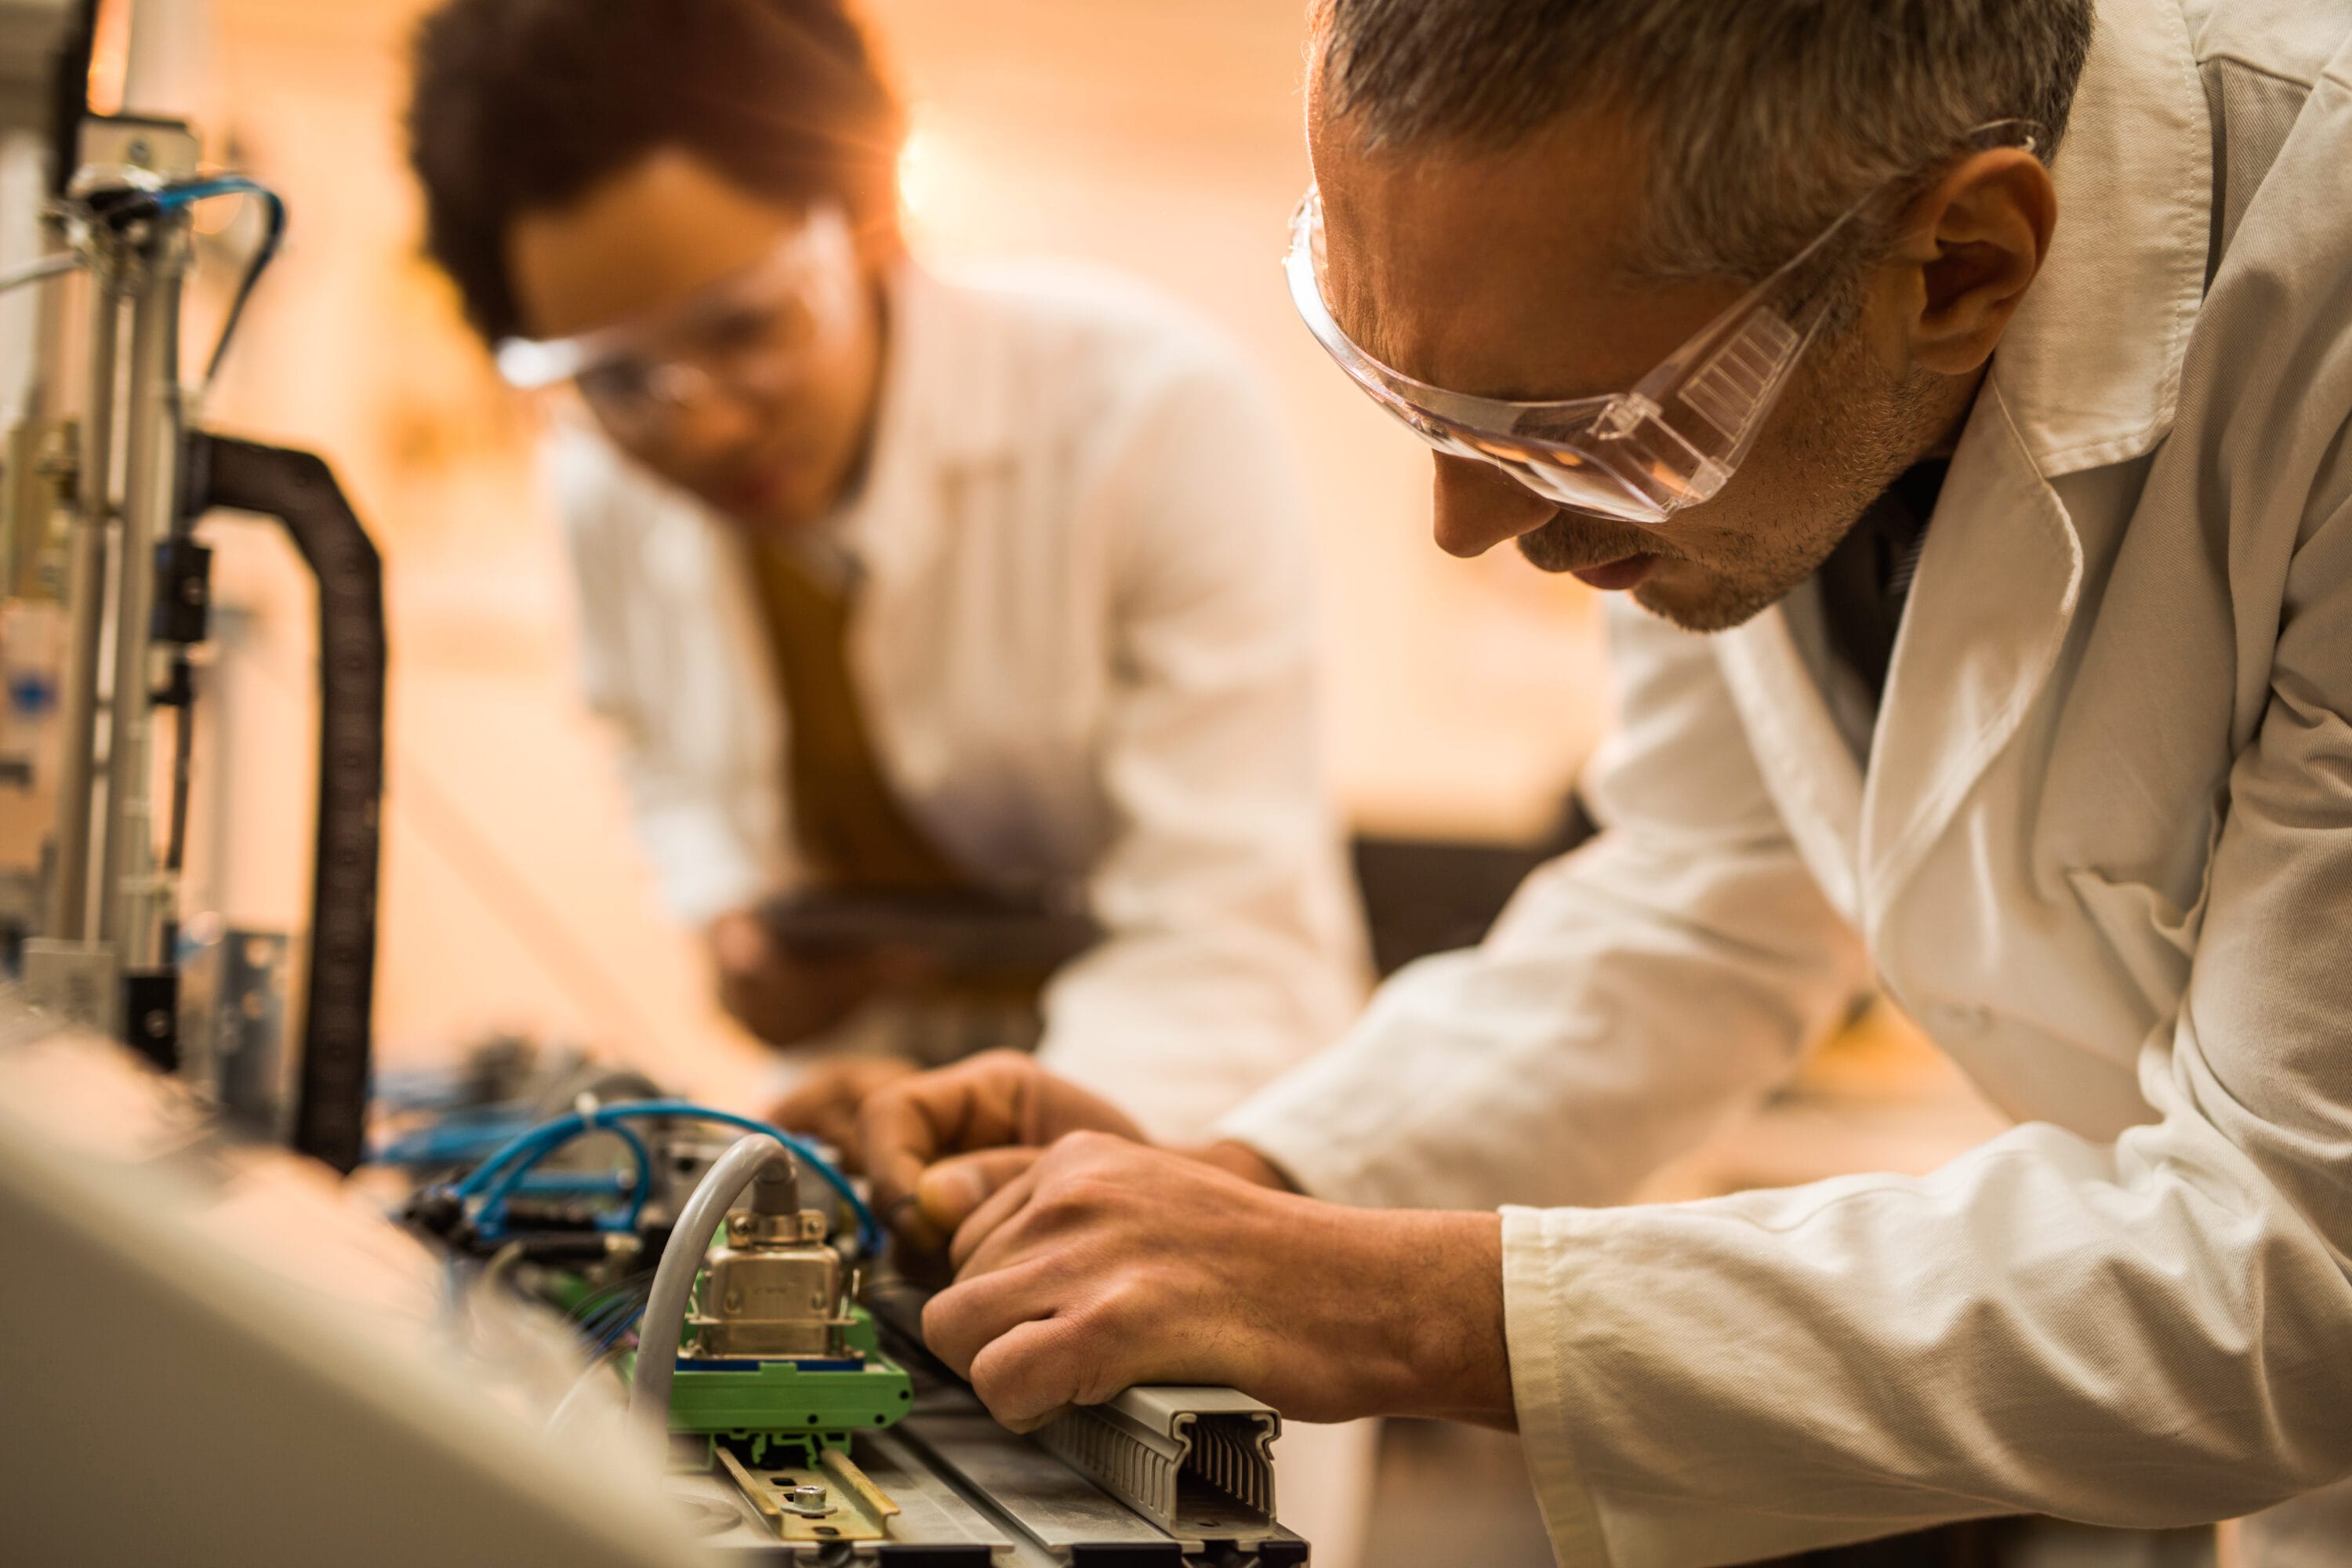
[1996, 592]
[1805, 761]
[2087, 375]
[949, 406]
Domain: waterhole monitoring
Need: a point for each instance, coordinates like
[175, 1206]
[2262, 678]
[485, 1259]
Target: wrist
[1438, 1279]
[1241, 1160]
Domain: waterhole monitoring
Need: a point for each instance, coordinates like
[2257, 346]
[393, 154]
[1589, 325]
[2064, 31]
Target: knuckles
[1002, 1059]
[946, 1335]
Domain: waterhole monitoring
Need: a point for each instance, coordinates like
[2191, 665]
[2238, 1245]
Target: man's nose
[1478, 506]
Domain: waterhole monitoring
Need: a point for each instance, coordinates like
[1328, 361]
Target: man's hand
[785, 1000]
[1108, 1263]
[938, 1144]
[831, 1096]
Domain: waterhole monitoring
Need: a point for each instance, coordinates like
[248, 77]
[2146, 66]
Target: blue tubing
[492, 1181]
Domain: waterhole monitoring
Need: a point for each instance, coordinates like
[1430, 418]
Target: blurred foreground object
[292, 1376]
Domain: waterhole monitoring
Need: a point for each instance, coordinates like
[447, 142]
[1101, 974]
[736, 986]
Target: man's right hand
[938, 1144]
[783, 999]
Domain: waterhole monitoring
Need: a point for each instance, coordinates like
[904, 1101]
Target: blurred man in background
[1960, 394]
[897, 586]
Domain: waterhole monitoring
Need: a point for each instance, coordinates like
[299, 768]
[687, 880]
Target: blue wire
[566, 1183]
[612, 1336]
[493, 1219]
[492, 1178]
[609, 1322]
[457, 1138]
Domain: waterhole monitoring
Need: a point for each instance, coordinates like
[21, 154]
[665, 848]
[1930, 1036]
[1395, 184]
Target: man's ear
[1971, 245]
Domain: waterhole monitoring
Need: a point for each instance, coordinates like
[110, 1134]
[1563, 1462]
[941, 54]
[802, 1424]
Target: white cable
[689, 1240]
[55, 266]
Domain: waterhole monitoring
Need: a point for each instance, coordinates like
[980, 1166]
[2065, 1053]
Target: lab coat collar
[2089, 374]
[2089, 367]
[1996, 593]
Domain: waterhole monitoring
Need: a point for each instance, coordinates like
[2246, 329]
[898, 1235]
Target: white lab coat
[1084, 650]
[2102, 850]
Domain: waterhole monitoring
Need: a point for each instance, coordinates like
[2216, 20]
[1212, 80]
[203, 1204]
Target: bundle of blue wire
[498, 1177]
[603, 1327]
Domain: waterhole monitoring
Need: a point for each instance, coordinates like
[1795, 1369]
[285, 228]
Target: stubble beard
[1844, 447]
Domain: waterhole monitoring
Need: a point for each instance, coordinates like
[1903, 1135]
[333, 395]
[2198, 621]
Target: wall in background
[1161, 136]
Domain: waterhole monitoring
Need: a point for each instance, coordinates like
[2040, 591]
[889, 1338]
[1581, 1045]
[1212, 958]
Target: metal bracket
[834, 1502]
[1197, 1462]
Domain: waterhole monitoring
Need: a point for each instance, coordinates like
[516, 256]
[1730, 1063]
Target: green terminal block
[792, 1408]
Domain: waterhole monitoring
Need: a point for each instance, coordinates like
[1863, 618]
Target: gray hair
[1768, 119]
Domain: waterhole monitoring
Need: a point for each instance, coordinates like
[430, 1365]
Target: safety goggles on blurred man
[751, 336]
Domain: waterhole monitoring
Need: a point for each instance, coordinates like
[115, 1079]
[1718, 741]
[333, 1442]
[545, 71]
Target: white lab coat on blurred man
[1085, 651]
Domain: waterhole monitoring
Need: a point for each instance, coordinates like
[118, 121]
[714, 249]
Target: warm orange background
[1158, 135]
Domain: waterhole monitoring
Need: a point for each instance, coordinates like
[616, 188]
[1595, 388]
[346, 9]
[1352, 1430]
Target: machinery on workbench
[105, 568]
[773, 1381]
[639, 1330]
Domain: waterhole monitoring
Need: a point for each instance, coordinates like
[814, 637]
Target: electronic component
[781, 1364]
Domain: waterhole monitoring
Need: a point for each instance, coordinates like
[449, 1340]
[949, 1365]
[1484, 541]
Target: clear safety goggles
[753, 335]
[1633, 456]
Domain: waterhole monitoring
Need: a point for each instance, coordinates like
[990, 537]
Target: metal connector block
[1197, 1462]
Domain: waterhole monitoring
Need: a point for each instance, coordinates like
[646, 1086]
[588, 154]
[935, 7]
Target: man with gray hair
[1956, 392]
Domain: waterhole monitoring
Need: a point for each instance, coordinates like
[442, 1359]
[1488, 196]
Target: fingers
[949, 1191]
[740, 943]
[781, 999]
[1031, 1342]
[992, 1216]
[827, 1101]
[960, 1320]
[1025, 1343]
[822, 1105]
[978, 1104]
[1034, 1372]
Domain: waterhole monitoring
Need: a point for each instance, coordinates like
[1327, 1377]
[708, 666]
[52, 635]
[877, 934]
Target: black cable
[69, 91]
[183, 746]
[263, 254]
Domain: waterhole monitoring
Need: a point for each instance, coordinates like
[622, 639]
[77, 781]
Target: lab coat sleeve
[1234, 947]
[701, 858]
[2147, 1333]
[1635, 992]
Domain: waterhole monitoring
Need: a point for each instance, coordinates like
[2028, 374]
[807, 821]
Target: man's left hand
[1106, 1263]
[831, 1096]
